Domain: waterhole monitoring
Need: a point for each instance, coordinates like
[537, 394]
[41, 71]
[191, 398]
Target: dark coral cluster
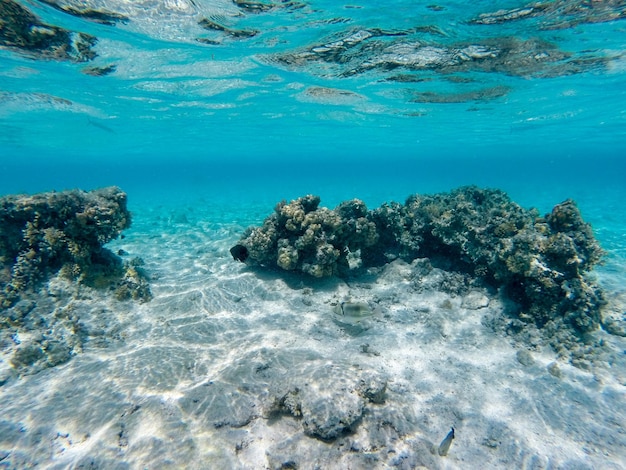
[43, 234]
[539, 262]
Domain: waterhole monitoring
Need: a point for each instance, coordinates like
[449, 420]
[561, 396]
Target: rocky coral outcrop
[539, 262]
[299, 236]
[64, 232]
[51, 246]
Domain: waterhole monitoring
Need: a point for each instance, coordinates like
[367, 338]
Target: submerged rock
[328, 416]
[328, 401]
[64, 232]
[475, 300]
[539, 262]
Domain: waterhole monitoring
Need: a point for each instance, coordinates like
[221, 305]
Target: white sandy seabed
[233, 368]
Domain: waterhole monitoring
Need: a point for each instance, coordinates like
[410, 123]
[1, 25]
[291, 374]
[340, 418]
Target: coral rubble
[541, 263]
[43, 234]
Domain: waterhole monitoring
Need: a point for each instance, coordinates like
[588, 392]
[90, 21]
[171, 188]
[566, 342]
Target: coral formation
[539, 262]
[64, 231]
[43, 324]
[299, 236]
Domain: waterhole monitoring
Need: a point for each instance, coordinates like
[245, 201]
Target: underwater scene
[304, 234]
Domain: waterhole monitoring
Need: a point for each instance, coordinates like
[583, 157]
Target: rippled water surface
[226, 79]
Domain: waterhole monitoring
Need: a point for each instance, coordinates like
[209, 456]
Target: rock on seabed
[540, 263]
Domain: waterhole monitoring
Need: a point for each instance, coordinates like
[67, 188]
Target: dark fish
[445, 444]
[239, 252]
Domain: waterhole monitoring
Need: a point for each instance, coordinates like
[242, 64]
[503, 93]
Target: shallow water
[207, 129]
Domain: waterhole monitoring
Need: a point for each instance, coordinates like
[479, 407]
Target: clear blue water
[223, 131]
[176, 112]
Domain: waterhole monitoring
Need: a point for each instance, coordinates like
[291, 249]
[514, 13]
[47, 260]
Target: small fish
[93, 123]
[444, 447]
[352, 313]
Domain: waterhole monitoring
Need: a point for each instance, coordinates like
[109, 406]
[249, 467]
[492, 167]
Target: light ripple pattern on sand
[232, 368]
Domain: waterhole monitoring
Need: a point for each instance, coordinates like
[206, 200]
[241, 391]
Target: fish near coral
[239, 253]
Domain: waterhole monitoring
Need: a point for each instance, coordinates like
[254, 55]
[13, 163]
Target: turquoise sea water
[218, 109]
[235, 116]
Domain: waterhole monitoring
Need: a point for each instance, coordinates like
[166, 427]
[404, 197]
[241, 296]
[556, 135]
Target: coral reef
[64, 232]
[539, 262]
[299, 236]
[45, 319]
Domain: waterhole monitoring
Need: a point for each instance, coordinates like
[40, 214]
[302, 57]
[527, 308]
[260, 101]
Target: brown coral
[540, 263]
